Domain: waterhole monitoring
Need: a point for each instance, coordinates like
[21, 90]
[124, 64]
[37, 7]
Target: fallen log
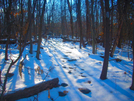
[34, 90]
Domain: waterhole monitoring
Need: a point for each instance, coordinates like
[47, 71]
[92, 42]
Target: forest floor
[76, 68]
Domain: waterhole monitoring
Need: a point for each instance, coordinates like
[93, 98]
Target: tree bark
[40, 30]
[111, 34]
[34, 90]
[29, 15]
[117, 38]
[104, 25]
[21, 29]
[93, 30]
[106, 57]
[71, 17]
[80, 23]
[132, 85]
[62, 18]
[87, 21]
[121, 18]
[8, 28]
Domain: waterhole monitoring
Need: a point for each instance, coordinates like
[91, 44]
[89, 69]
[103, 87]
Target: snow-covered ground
[78, 68]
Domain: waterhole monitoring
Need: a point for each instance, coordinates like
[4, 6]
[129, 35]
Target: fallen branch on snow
[34, 90]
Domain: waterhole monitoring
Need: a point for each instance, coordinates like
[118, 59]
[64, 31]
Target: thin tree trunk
[87, 21]
[121, 18]
[103, 26]
[106, 57]
[132, 85]
[117, 38]
[80, 23]
[71, 17]
[29, 14]
[93, 30]
[21, 29]
[40, 30]
[111, 35]
[62, 19]
[8, 29]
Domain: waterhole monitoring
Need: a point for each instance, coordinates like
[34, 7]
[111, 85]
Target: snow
[73, 66]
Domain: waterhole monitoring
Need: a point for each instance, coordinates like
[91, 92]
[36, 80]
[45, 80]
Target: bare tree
[121, 20]
[71, 17]
[87, 21]
[132, 85]
[111, 28]
[40, 30]
[21, 29]
[103, 26]
[106, 57]
[7, 14]
[29, 15]
[93, 29]
[80, 22]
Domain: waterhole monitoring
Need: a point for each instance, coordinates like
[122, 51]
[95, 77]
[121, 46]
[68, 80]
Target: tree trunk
[80, 23]
[71, 17]
[31, 91]
[29, 15]
[8, 28]
[93, 30]
[121, 18]
[87, 21]
[103, 26]
[106, 57]
[62, 19]
[0, 78]
[132, 85]
[21, 29]
[111, 34]
[40, 30]
[117, 38]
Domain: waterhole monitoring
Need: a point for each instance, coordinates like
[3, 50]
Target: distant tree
[80, 23]
[40, 30]
[122, 10]
[132, 85]
[63, 16]
[93, 28]
[106, 57]
[88, 36]
[71, 17]
[7, 15]
[103, 25]
[21, 24]
[111, 28]
[30, 34]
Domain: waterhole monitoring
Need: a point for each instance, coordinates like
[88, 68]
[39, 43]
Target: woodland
[107, 23]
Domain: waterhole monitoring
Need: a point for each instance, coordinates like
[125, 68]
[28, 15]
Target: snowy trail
[78, 68]
[64, 75]
[62, 53]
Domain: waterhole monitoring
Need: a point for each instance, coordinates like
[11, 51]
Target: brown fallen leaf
[65, 92]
